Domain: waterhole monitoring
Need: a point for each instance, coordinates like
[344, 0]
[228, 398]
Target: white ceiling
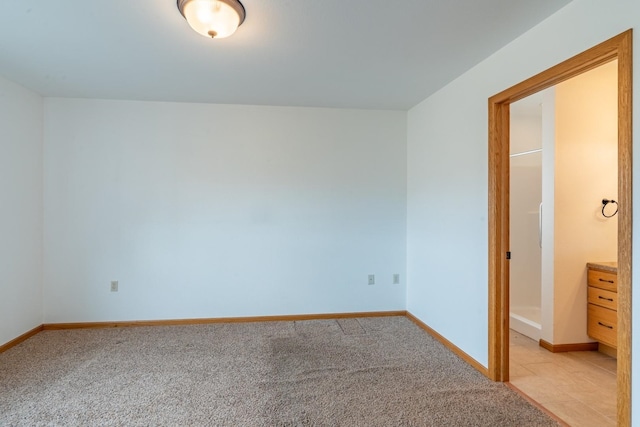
[377, 54]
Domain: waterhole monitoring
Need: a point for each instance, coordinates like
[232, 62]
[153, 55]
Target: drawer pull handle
[608, 299]
[607, 281]
[606, 326]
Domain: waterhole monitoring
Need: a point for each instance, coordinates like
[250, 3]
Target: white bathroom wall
[548, 209]
[215, 210]
[20, 211]
[447, 170]
[586, 171]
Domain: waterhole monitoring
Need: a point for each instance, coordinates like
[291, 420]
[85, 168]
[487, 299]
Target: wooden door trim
[620, 48]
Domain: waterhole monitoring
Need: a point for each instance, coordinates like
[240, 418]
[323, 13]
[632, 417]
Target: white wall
[214, 211]
[548, 208]
[447, 217]
[20, 210]
[447, 172]
[586, 171]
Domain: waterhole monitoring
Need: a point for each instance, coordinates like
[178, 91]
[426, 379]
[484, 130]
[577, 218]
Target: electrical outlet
[372, 279]
[396, 279]
[114, 286]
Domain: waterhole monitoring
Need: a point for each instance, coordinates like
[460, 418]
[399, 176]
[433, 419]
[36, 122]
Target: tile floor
[578, 387]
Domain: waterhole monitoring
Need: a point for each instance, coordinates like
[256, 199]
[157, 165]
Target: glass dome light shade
[213, 18]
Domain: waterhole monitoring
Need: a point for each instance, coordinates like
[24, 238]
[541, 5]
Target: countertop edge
[611, 267]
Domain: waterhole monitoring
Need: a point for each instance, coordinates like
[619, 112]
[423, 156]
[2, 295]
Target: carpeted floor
[381, 371]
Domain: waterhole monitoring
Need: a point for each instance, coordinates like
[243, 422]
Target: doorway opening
[619, 48]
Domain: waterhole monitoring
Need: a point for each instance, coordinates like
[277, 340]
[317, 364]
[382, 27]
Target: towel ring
[605, 202]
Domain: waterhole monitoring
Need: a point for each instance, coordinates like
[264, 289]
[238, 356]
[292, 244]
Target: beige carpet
[355, 372]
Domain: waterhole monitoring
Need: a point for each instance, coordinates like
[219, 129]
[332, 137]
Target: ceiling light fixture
[213, 18]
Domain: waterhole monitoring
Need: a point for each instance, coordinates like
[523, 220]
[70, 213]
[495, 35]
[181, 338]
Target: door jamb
[620, 48]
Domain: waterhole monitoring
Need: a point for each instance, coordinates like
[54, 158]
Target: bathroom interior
[563, 192]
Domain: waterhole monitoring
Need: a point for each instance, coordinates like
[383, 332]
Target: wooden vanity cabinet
[602, 307]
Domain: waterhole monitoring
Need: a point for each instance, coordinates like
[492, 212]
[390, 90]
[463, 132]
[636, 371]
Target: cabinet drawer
[602, 298]
[603, 279]
[602, 324]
